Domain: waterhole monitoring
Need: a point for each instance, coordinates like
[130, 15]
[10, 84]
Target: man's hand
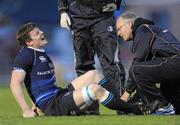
[29, 113]
[65, 20]
[125, 96]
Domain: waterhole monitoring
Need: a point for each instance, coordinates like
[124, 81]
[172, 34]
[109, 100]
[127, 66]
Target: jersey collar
[40, 50]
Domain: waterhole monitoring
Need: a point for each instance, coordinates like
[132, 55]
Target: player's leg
[91, 93]
[90, 77]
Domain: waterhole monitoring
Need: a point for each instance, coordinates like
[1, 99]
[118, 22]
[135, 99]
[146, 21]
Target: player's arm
[17, 80]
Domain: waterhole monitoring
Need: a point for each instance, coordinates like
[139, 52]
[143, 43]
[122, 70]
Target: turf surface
[10, 114]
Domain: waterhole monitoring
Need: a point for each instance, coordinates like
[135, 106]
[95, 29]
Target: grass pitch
[10, 114]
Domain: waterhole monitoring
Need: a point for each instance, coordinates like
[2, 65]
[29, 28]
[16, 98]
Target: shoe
[148, 108]
[85, 112]
[123, 113]
[139, 102]
[92, 112]
[165, 110]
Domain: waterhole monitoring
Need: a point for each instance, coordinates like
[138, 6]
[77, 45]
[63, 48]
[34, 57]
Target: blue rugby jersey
[40, 78]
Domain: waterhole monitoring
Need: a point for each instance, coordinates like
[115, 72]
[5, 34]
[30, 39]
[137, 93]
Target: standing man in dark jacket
[93, 26]
[156, 60]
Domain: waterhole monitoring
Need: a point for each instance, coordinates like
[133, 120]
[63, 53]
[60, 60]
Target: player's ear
[29, 43]
[130, 24]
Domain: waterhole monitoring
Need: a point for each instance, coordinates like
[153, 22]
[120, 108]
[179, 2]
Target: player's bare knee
[98, 76]
[91, 72]
[95, 75]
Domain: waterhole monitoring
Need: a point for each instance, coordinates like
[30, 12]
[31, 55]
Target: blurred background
[13, 13]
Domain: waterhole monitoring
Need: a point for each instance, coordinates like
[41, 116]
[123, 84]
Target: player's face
[124, 29]
[38, 39]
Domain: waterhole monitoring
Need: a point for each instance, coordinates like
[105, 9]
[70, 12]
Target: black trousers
[165, 71]
[98, 37]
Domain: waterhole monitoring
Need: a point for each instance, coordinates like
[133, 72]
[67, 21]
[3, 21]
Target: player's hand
[36, 110]
[29, 113]
[65, 21]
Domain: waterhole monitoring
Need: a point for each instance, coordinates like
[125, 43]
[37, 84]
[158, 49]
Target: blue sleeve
[24, 61]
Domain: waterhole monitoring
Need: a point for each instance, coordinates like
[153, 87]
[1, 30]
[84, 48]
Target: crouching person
[156, 60]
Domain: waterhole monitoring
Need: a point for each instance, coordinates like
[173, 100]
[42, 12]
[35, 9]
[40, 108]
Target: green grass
[10, 114]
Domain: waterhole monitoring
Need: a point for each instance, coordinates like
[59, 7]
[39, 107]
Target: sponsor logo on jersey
[45, 72]
[42, 58]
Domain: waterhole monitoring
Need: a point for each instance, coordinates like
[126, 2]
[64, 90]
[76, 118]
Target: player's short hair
[22, 35]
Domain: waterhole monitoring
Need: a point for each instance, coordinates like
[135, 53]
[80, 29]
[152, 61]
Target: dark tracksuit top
[142, 37]
[156, 60]
[94, 33]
